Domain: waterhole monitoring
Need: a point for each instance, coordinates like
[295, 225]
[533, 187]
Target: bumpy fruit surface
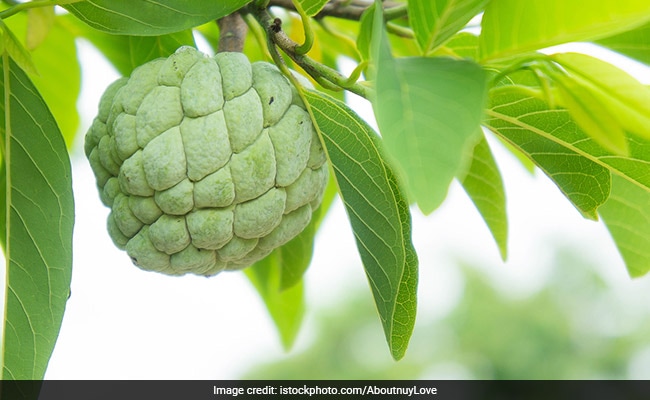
[207, 163]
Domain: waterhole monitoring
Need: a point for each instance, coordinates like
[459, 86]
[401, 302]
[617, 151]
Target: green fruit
[207, 164]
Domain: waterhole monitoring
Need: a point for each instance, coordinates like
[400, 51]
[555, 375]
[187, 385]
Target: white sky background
[124, 323]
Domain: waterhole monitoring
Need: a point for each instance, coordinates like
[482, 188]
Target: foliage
[575, 326]
[433, 86]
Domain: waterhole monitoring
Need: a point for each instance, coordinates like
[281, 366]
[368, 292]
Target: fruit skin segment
[207, 163]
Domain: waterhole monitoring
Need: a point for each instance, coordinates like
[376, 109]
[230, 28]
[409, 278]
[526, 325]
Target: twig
[318, 71]
[346, 9]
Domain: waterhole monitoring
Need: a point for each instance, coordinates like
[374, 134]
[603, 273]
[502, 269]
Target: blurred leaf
[589, 112]
[364, 38]
[114, 47]
[59, 78]
[17, 51]
[634, 43]
[39, 225]
[39, 22]
[143, 49]
[150, 17]
[278, 277]
[511, 27]
[401, 46]
[59, 81]
[378, 214]
[296, 255]
[337, 37]
[484, 185]
[428, 111]
[625, 98]
[482, 344]
[312, 7]
[128, 52]
[553, 141]
[347, 346]
[286, 307]
[463, 45]
[470, 342]
[331, 192]
[627, 217]
[435, 21]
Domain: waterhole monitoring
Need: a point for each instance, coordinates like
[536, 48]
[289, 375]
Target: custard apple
[207, 163]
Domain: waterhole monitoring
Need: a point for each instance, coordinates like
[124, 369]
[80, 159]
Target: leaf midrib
[399, 233]
[548, 136]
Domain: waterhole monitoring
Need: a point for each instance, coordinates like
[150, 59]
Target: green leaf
[364, 38]
[401, 46]
[435, 21]
[336, 38]
[511, 27]
[623, 97]
[331, 191]
[151, 17]
[428, 111]
[461, 45]
[3, 204]
[286, 307]
[378, 213]
[144, 48]
[312, 7]
[593, 117]
[278, 277]
[627, 217]
[16, 50]
[128, 52]
[634, 43]
[516, 110]
[555, 143]
[39, 22]
[113, 47]
[295, 256]
[40, 215]
[59, 74]
[59, 79]
[484, 185]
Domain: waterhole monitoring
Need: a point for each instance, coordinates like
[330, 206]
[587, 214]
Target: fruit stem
[232, 33]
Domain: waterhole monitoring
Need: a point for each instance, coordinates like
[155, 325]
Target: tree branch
[232, 33]
[347, 9]
[277, 37]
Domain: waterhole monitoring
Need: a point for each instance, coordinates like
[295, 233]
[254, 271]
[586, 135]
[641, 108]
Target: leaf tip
[503, 251]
